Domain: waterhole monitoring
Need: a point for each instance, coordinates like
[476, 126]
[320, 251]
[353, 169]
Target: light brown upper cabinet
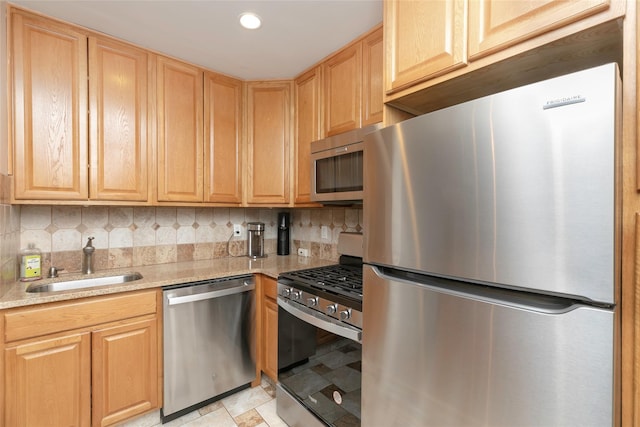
[179, 131]
[343, 90]
[429, 44]
[268, 142]
[199, 123]
[118, 121]
[372, 71]
[495, 25]
[56, 129]
[222, 139]
[49, 109]
[308, 128]
[353, 84]
[423, 39]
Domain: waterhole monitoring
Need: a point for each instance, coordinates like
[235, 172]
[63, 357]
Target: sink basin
[82, 283]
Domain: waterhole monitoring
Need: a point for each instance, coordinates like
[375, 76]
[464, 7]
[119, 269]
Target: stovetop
[338, 279]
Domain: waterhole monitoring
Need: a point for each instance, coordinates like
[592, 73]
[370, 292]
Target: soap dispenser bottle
[30, 263]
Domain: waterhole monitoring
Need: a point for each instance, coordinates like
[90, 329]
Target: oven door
[324, 388]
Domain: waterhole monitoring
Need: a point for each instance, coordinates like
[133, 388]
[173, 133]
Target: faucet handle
[53, 272]
[89, 248]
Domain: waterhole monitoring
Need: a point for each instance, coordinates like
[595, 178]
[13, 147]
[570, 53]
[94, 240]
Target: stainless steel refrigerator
[492, 260]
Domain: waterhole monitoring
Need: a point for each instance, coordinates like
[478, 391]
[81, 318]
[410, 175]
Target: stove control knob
[296, 295]
[285, 293]
[345, 314]
[312, 302]
[332, 308]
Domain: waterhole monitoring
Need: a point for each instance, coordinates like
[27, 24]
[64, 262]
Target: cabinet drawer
[57, 317]
[270, 287]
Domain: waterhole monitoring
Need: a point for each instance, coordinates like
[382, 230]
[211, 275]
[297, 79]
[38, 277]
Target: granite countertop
[155, 276]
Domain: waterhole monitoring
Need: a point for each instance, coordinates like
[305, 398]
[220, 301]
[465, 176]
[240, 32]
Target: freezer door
[440, 356]
[503, 190]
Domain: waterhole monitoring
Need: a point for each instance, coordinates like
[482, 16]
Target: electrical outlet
[324, 232]
[237, 229]
[303, 252]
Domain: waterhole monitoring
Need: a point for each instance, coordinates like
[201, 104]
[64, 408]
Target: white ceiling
[295, 34]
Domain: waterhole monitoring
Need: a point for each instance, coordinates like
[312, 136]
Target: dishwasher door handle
[245, 287]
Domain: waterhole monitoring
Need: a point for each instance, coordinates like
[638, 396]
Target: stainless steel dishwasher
[209, 342]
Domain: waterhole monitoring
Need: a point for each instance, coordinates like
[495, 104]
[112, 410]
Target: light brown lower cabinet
[269, 334]
[124, 371]
[48, 382]
[85, 362]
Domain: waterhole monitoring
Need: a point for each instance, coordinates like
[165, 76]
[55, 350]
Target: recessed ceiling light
[250, 20]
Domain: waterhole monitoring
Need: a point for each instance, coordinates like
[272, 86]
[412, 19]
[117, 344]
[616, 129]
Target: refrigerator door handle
[546, 304]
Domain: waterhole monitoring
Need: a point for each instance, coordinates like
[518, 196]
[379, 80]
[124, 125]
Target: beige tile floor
[252, 407]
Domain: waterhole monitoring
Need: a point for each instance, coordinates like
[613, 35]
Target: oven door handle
[321, 321]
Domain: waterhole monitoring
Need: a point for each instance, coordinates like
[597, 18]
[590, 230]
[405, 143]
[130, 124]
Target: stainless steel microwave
[336, 166]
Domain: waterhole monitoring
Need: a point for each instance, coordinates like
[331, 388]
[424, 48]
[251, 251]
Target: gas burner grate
[341, 279]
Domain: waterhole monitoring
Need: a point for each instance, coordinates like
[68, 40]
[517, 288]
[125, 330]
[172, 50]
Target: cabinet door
[49, 381]
[372, 65]
[118, 123]
[125, 371]
[423, 39]
[343, 90]
[308, 128]
[50, 109]
[222, 132]
[268, 123]
[270, 328]
[180, 131]
[496, 24]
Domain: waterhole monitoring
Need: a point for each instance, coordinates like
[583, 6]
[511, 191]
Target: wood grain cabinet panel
[61, 119]
[180, 132]
[308, 128]
[269, 341]
[222, 139]
[372, 76]
[48, 382]
[118, 121]
[343, 90]
[50, 109]
[423, 39]
[268, 142]
[495, 24]
[124, 371]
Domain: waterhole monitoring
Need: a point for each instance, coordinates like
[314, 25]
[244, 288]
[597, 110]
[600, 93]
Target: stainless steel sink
[84, 282]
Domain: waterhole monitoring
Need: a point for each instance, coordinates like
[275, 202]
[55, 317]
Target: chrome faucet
[87, 257]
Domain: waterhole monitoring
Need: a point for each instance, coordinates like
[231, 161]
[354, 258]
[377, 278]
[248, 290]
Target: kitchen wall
[135, 236]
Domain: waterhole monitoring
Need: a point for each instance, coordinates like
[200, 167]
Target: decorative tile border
[136, 236]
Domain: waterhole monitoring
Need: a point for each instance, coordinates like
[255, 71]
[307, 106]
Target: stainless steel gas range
[319, 341]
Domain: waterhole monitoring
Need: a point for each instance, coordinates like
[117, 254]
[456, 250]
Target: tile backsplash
[9, 234]
[135, 236]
